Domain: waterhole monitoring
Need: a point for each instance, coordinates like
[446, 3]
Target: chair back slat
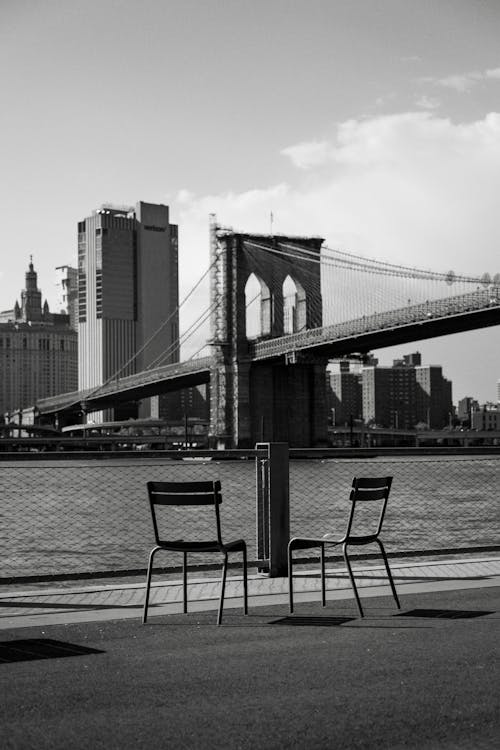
[368, 495]
[185, 487]
[162, 498]
[366, 483]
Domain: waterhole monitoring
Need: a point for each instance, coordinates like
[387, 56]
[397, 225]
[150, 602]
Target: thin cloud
[427, 102]
[410, 187]
[308, 154]
[464, 82]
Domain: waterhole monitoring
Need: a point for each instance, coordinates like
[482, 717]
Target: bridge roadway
[170, 377]
[478, 309]
[465, 312]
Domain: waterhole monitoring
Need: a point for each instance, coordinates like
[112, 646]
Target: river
[77, 516]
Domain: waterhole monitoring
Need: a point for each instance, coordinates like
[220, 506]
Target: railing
[442, 500]
[421, 313]
[83, 517]
[166, 372]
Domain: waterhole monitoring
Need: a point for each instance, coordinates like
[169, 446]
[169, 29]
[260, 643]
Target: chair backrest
[187, 495]
[372, 490]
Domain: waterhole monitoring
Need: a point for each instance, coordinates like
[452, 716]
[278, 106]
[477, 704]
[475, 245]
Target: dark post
[273, 508]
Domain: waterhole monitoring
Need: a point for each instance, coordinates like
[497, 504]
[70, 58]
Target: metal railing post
[273, 508]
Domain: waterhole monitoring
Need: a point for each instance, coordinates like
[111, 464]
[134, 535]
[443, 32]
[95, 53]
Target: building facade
[127, 296]
[486, 417]
[389, 396]
[345, 395]
[465, 408]
[38, 351]
[406, 395]
[67, 293]
[434, 397]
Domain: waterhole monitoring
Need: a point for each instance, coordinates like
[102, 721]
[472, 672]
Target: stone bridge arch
[257, 308]
[252, 401]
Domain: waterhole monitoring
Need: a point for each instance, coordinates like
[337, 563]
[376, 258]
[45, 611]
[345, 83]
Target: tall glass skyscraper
[128, 295]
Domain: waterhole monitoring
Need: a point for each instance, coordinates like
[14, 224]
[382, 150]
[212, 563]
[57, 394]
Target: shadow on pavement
[446, 614]
[41, 648]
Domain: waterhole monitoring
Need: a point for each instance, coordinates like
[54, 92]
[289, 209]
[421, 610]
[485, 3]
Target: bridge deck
[477, 309]
[480, 308]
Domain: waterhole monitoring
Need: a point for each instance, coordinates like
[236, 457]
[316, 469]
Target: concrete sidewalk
[78, 670]
[53, 605]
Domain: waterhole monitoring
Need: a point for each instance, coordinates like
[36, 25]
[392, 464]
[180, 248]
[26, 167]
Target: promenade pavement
[423, 677]
[54, 604]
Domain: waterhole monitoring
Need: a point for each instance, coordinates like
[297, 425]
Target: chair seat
[302, 542]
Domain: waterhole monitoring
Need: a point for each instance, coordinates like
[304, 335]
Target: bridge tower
[274, 400]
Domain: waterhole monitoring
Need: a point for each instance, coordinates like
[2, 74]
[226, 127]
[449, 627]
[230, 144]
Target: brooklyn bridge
[280, 307]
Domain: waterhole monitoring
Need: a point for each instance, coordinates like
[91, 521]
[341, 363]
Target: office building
[345, 394]
[127, 297]
[389, 396]
[38, 351]
[486, 417]
[67, 293]
[434, 398]
[465, 408]
[407, 394]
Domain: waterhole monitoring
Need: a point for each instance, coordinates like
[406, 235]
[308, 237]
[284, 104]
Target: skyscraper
[67, 293]
[128, 295]
[38, 351]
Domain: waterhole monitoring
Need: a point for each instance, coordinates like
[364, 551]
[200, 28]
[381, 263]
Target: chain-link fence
[436, 502]
[91, 516]
[76, 517]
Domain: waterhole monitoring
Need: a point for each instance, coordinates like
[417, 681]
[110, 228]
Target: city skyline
[375, 125]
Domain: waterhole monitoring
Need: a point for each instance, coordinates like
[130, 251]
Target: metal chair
[372, 490]
[181, 498]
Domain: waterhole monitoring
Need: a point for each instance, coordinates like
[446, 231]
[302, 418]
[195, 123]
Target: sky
[372, 123]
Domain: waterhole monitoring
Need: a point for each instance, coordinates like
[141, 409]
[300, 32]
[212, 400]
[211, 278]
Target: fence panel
[92, 516]
[73, 517]
[436, 503]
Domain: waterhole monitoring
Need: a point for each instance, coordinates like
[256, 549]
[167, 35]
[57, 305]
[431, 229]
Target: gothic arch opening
[294, 306]
[257, 308]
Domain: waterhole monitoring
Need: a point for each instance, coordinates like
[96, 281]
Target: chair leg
[184, 582]
[148, 583]
[389, 574]
[222, 590]
[245, 581]
[290, 579]
[351, 577]
[323, 583]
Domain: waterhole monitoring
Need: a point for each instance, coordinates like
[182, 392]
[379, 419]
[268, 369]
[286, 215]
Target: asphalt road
[319, 680]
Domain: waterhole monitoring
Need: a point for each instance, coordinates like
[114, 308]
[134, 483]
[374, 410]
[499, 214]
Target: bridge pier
[230, 425]
[264, 400]
[268, 402]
